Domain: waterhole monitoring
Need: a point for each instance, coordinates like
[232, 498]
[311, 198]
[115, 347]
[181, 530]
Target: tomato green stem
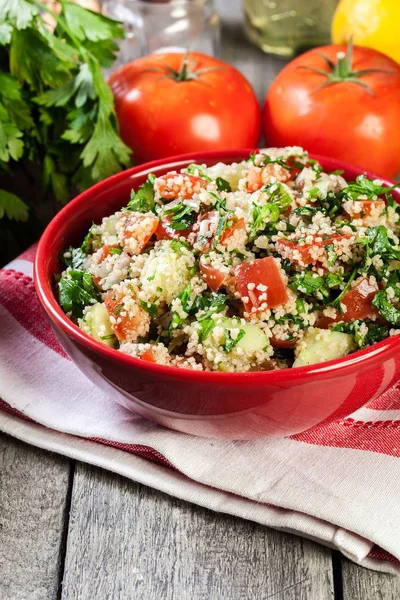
[186, 70]
[342, 71]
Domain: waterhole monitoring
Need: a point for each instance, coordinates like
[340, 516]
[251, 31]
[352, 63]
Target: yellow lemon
[372, 23]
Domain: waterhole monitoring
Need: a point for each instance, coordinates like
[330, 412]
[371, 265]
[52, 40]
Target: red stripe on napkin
[17, 295]
[382, 437]
[139, 450]
[379, 554]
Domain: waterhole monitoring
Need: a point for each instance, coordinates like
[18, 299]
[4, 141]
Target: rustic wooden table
[72, 531]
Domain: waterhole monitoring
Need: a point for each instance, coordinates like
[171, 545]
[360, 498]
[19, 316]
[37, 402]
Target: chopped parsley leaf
[86, 246]
[198, 170]
[278, 195]
[118, 309]
[363, 186]
[377, 242]
[182, 216]
[224, 222]
[150, 308]
[143, 200]
[115, 250]
[300, 306]
[178, 245]
[307, 283]
[231, 342]
[261, 215]
[207, 325]
[386, 308]
[223, 185]
[275, 160]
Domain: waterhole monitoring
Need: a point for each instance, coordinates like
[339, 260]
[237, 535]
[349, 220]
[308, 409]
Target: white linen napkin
[337, 484]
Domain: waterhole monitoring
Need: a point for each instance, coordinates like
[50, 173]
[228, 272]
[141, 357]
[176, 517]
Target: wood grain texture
[33, 496]
[128, 541]
[363, 584]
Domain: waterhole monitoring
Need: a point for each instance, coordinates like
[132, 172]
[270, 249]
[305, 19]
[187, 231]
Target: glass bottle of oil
[288, 27]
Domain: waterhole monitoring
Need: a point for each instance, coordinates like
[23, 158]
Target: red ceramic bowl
[222, 405]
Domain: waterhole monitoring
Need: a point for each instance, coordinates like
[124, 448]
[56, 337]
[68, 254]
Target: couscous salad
[265, 264]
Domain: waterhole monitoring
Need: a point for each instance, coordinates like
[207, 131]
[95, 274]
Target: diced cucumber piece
[167, 271]
[98, 322]
[254, 339]
[323, 345]
[231, 174]
[109, 225]
[234, 176]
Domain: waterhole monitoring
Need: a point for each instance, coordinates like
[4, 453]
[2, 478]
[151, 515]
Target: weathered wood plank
[363, 584]
[128, 541]
[33, 494]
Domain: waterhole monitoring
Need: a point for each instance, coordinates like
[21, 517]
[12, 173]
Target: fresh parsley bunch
[57, 113]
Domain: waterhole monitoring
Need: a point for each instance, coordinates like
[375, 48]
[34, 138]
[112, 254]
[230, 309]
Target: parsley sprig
[143, 199]
[77, 290]
[56, 110]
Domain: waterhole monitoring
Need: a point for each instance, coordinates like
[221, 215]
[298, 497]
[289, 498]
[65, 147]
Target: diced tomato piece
[364, 208]
[262, 273]
[148, 355]
[358, 303]
[180, 185]
[294, 170]
[309, 253]
[229, 231]
[166, 232]
[257, 177]
[106, 251]
[124, 325]
[277, 343]
[137, 231]
[212, 217]
[213, 278]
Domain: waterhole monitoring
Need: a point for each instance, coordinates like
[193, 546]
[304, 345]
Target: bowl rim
[366, 357]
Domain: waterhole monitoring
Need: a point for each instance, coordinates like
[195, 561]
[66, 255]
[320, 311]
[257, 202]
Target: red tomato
[166, 232]
[106, 251]
[364, 208]
[344, 119]
[229, 231]
[124, 325]
[163, 112]
[257, 177]
[148, 355]
[358, 302]
[185, 190]
[213, 278]
[263, 272]
[137, 231]
[308, 253]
